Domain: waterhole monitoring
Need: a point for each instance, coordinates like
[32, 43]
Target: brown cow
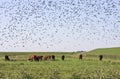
[80, 56]
[35, 58]
[39, 58]
[47, 57]
[31, 58]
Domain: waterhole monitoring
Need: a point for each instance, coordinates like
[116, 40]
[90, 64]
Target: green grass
[115, 50]
[108, 53]
[71, 68]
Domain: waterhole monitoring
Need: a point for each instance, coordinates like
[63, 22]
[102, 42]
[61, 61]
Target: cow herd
[49, 57]
[46, 57]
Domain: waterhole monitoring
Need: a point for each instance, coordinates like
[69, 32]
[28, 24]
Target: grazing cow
[7, 58]
[35, 58]
[39, 58]
[47, 57]
[32, 57]
[53, 57]
[80, 56]
[100, 57]
[63, 57]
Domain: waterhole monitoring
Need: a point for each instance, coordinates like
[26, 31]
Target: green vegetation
[113, 51]
[72, 68]
[108, 53]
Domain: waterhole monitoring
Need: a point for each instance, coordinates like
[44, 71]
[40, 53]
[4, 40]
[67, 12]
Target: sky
[58, 25]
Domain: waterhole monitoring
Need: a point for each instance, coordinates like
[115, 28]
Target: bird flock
[58, 24]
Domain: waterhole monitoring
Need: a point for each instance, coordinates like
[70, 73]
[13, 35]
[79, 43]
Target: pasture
[71, 68]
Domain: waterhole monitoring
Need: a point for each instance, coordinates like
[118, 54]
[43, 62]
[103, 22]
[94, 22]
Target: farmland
[72, 68]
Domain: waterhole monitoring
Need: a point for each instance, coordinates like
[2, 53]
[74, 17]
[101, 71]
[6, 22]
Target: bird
[49, 22]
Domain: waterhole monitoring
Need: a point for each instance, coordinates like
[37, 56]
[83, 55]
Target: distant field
[72, 68]
[108, 53]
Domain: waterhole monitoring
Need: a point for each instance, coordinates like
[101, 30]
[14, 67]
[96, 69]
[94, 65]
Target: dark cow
[63, 57]
[35, 58]
[80, 56]
[7, 58]
[53, 57]
[40, 58]
[100, 57]
[47, 57]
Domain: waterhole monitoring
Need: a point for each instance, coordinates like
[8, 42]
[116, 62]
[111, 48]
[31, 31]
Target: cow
[35, 58]
[7, 58]
[53, 57]
[31, 58]
[39, 58]
[100, 57]
[47, 57]
[80, 56]
[63, 57]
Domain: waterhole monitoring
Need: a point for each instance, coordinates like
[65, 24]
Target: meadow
[71, 68]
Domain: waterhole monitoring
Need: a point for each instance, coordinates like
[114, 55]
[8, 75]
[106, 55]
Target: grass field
[108, 53]
[72, 68]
